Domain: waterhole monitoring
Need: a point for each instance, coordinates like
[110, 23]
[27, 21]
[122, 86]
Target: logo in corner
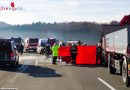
[12, 4]
[12, 7]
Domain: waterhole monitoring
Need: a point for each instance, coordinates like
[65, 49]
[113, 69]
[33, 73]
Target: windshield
[17, 40]
[5, 45]
[51, 41]
[33, 41]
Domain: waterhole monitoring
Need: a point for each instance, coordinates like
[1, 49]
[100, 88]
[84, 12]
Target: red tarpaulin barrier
[64, 51]
[86, 55]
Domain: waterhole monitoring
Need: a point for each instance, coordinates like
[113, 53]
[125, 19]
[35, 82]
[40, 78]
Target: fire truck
[30, 44]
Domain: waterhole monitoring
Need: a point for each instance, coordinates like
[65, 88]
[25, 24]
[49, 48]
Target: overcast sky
[99, 11]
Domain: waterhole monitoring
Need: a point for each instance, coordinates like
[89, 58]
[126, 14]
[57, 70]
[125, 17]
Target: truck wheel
[105, 60]
[125, 76]
[111, 70]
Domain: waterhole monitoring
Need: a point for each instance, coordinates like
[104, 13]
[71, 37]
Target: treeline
[71, 26]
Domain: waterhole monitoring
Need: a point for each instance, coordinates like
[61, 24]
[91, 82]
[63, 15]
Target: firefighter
[54, 49]
[47, 50]
[73, 52]
[20, 49]
[99, 53]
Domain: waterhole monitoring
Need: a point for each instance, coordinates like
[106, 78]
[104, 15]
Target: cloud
[17, 17]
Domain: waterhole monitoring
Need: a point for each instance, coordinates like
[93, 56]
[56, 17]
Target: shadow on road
[37, 71]
[87, 65]
[34, 71]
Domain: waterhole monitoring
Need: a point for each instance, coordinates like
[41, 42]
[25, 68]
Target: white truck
[116, 46]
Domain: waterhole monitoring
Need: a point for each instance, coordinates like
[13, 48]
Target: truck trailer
[116, 52]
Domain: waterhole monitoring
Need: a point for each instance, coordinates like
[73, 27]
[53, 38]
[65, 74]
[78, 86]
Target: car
[8, 53]
[41, 46]
[51, 41]
[72, 42]
[18, 41]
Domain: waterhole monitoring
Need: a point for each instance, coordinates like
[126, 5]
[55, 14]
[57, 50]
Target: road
[36, 72]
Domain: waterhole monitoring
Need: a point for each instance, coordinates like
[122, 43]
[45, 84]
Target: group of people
[73, 52]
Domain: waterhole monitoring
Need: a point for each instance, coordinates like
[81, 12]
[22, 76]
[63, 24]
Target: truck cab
[30, 44]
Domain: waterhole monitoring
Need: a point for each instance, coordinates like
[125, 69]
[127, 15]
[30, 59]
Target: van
[41, 45]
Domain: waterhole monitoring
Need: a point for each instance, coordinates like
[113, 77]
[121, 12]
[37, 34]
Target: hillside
[88, 32]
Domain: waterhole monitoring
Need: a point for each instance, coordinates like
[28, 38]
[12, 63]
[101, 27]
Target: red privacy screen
[64, 51]
[86, 55]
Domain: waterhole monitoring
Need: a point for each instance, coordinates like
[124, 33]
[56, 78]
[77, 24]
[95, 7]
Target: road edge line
[108, 85]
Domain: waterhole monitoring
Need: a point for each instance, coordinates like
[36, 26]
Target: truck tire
[105, 60]
[111, 70]
[125, 76]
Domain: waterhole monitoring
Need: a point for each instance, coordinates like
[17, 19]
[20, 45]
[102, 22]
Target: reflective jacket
[55, 50]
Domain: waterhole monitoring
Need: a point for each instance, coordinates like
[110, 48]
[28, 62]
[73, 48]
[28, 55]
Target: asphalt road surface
[36, 72]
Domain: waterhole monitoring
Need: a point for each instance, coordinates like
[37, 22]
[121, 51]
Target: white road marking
[21, 68]
[108, 85]
[25, 67]
[28, 57]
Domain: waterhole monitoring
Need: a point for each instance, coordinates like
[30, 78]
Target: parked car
[51, 41]
[41, 46]
[19, 42]
[72, 42]
[8, 53]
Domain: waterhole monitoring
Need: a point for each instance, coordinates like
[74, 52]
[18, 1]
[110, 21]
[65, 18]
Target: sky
[100, 11]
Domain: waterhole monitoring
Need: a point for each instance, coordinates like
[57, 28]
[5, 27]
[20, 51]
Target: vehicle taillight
[11, 54]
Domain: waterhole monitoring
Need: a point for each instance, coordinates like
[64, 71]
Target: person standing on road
[73, 52]
[47, 50]
[54, 49]
[99, 53]
[21, 47]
